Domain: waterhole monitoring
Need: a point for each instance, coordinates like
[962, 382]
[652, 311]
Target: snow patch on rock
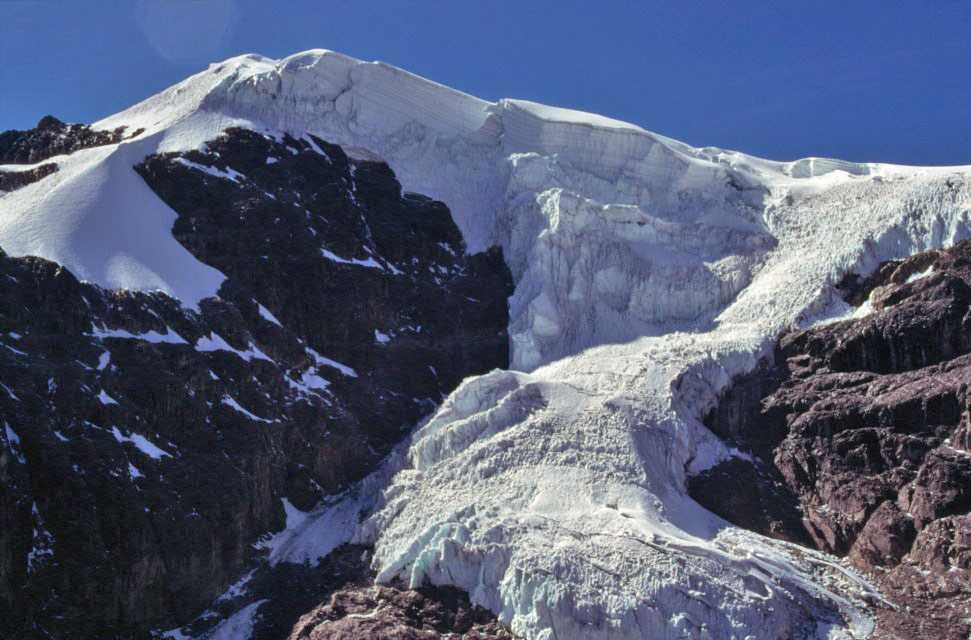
[169, 337]
[142, 443]
[215, 342]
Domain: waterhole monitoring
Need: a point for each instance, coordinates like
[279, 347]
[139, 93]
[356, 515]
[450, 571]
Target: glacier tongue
[556, 498]
[648, 274]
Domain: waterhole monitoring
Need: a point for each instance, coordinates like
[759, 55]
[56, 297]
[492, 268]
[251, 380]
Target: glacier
[648, 274]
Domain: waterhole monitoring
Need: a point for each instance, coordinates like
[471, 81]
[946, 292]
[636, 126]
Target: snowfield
[648, 273]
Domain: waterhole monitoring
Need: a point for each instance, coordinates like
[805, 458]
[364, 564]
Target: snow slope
[98, 218]
[648, 273]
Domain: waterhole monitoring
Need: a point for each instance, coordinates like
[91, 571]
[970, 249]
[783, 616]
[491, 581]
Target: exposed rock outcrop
[429, 613]
[51, 137]
[13, 180]
[862, 426]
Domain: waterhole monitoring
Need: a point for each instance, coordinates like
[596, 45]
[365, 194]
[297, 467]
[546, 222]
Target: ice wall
[533, 179]
[556, 498]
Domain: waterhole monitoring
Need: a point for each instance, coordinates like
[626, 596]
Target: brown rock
[886, 537]
[429, 613]
[867, 424]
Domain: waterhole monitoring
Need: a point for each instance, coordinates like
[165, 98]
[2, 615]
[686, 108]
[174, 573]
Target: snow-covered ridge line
[510, 170]
[321, 80]
[441, 142]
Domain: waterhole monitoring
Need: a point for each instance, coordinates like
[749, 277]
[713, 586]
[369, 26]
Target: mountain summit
[293, 327]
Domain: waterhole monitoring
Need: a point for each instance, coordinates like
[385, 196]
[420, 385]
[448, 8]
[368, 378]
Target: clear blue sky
[858, 79]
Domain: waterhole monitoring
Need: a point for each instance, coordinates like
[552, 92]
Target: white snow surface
[99, 219]
[169, 337]
[215, 342]
[323, 361]
[231, 402]
[310, 536]
[370, 262]
[267, 315]
[238, 626]
[648, 274]
[142, 443]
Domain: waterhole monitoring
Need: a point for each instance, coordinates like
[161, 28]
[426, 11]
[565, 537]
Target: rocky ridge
[12, 180]
[51, 137]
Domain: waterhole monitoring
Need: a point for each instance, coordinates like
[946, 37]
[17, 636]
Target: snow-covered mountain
[648, 275]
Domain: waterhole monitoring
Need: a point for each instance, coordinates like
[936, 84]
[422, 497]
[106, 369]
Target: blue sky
[857, 79]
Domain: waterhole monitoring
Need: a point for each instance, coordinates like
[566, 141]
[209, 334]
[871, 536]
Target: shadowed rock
[13, 180]
[51, 137]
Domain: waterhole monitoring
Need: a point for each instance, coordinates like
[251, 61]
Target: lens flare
[186, 30]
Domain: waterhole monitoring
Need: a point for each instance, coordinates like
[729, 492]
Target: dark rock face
[865, 424]
[13, 180]
[51, 137]
[413, 314]
[400, 614]
[753, 495]
[145, 446]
